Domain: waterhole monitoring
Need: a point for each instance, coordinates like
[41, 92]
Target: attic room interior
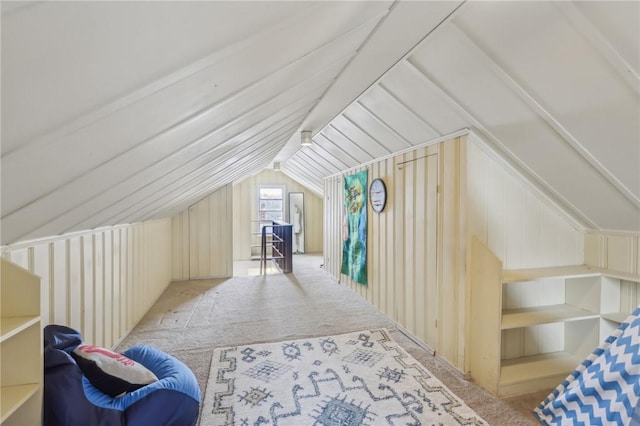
[459, 180]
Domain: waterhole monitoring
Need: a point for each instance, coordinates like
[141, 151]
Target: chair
[70, 399]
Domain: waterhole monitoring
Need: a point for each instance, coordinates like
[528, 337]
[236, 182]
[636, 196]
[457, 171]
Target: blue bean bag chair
[70, 399]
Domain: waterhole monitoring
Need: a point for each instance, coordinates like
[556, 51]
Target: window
[270, 203]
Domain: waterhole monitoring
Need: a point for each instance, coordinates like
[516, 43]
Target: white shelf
[572, 271]
[528, 368]
[524, 317]
[9, 327]
[532, 327]
[618, 317]
[13, 397]
[519, 275]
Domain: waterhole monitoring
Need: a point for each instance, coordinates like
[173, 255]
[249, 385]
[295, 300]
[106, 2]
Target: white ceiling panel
[373, 125]
[360, 137]
[335, 135]
[337, 152]
[117, 112]
[409, 88]
[497, 107]
[163, 102]
[615, 22]
[397, 115]
[159, 111]
[158, 184]
[568, 77]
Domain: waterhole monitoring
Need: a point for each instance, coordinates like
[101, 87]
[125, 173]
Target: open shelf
[572, 271]
[528, 368]
[20, 346]
[13, 397]
[11, 326]
[530, 328]
[524, 317]
[519, 275]
[618, 317]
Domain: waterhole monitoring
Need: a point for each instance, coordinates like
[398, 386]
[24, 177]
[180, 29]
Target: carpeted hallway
[192, 318]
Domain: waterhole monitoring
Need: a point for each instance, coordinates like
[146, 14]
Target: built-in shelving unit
[20, 346]
[531, 327]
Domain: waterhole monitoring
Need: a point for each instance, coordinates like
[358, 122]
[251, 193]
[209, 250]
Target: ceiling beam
[409, 111]
[378, 120]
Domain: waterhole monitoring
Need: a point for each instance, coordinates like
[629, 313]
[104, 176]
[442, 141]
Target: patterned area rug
[361, 378]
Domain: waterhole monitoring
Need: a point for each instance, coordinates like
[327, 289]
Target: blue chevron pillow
[605, 388]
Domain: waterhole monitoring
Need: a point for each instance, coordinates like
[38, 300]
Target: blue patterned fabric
[605, 388]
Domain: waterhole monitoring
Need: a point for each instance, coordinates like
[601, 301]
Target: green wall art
[354, 234]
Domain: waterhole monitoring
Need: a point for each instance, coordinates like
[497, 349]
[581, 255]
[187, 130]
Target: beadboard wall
[613, 250]
[417, 252]
[202, 239]
[100, 282]
[618, 251]
[520, 225]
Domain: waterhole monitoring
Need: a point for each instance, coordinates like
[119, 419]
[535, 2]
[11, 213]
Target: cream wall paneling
[99, 282]
[180, 246]
[523, 227]
[416, 188]
[403, 242]
[210, 235]
[202, 238]
[478, 193]
[245, 211]
[617, 251]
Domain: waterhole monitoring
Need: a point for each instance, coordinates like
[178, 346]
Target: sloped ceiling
[117, 112]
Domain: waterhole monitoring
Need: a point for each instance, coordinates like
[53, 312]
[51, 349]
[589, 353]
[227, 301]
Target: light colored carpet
[192, 318]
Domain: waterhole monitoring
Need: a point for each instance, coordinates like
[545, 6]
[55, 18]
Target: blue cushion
[111, 372]
[71, 400]
[172, 375]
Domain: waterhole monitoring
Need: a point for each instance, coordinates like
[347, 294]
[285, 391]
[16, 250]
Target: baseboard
[433, 352]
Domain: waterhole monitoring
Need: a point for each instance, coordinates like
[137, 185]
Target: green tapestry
[354, 234]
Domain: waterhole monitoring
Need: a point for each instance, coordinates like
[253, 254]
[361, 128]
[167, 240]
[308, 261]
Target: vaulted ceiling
[118, 112]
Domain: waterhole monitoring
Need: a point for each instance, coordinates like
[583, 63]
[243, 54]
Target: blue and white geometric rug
[361, 378]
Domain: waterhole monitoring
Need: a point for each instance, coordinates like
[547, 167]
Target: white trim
[283, 199]
[29, 243]
[456, 134]
[613, 232]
